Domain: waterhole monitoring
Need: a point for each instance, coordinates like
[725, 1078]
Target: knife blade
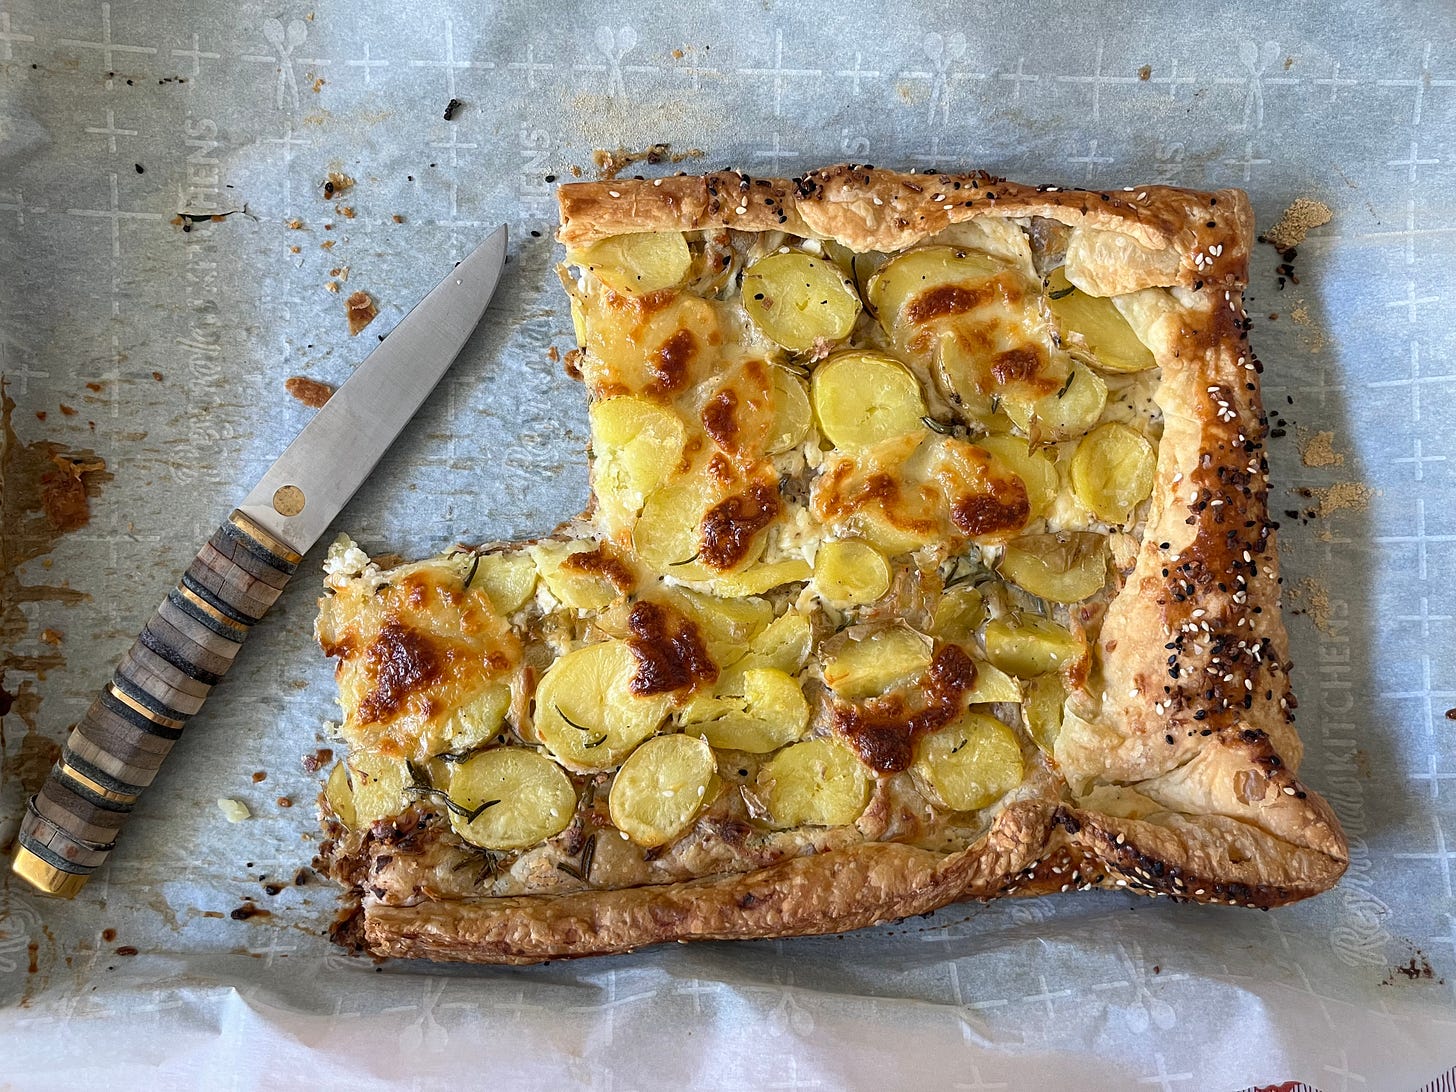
[114, 752]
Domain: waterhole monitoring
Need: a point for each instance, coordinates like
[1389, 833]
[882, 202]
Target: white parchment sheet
[165, 353]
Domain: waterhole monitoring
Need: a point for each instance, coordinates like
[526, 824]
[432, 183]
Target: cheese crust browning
[1175, 767]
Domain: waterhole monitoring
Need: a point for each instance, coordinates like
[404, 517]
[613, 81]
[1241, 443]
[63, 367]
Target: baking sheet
[170, 349]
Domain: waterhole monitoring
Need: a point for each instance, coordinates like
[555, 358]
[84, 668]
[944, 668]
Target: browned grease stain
[45, 492]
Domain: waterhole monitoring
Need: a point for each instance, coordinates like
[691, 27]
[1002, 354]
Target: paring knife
[189, 643]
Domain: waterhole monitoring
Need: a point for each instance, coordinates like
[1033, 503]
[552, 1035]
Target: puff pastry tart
[928, 559]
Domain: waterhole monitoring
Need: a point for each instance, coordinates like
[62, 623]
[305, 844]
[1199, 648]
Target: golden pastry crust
[1177, 776]
[1178, 236]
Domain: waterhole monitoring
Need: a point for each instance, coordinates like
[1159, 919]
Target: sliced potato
[862, 398]
[658, 792]
[819, 783]
[666, 535]
[725, 624]
[638, 263]
[1027, 646]
[769, 713]
[880, 662]
[798, 301]
[1066, 567]
[1037, 472]
[475, 722]
[784, 644]
[534, 799]
[378, 783]
[1067, 413]
[637, 444]
[792, 412]
[765, 576]
[1113, 344]
[340, 795]
[906, 282]
[848, 572]
[507, 578]
[958, 614]
[1042, 710]
[969, 764]
[1112, 471]
[586, 713]
[992, 685]
[576, 588]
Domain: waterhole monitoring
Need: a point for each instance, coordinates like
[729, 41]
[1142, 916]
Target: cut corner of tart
[928, 559]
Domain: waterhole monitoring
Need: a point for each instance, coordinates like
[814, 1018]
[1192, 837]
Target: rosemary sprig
[1068, 384]
[470, 576]
[688, 560]
[490, 862]
[563, 716]
[582, 728]
[937, 426]
[582, 870]
[421, 787]
[1061, 293]
[470, 815]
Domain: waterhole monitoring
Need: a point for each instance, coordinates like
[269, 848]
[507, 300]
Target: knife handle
[113, 754]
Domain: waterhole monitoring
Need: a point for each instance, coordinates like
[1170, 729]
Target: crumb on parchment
[1342, 496]
[1301, 216]
[234, 811]
[1311, 597]
[1318, 449]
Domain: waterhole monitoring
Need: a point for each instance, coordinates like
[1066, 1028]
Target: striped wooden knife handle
[113, 754]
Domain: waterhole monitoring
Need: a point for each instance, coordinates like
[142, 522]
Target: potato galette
[928, 559]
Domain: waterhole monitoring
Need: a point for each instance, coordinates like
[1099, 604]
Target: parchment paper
[165, 352]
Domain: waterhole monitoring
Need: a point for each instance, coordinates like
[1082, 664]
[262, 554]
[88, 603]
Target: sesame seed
[1289, 790]
[613, 193]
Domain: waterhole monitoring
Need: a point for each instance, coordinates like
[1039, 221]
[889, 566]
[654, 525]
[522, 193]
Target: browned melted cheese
[669, 363]
[411, 653]
[882, 731]
[727, 530]
[656, 345]
[599, 562]
[401, 662]
[670, 653]
[982, 515]
[996, 323]
[720, 419]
